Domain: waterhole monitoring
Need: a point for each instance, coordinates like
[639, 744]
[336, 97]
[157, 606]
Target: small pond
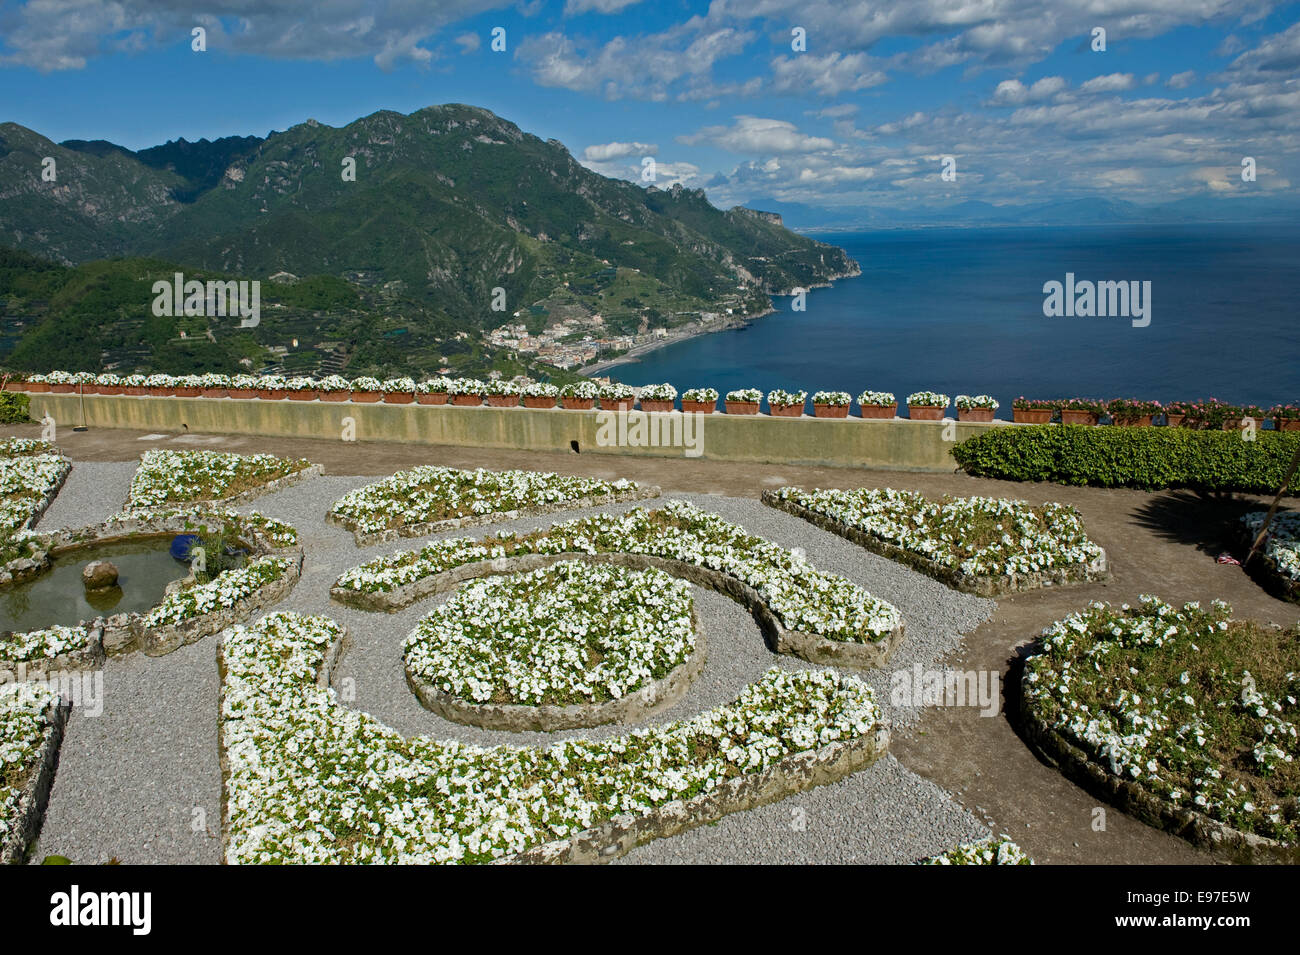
[58, 596]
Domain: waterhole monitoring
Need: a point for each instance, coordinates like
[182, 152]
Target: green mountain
[469, 221]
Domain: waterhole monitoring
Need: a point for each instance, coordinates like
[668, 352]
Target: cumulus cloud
[828, 75]
[753, 134]
[1180, 81]
[603, 152]
[573, 7]
[1110, 83]
[1013, 92]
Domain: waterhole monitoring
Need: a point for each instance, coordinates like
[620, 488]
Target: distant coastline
[726, 324]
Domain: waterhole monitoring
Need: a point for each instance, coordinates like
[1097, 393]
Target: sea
[961, 311]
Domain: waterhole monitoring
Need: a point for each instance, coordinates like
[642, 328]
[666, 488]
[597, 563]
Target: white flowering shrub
[311, 781]
[785, 399]
[224, 591]
[36, 646]
[659, 392]
[23, 725]
[969, 402]
[25, 447]
[1282, 545]
[26, 482]
[580, 389]
[927, 399]
[877, 399]
[429, 493]
[700, 394]
[833, 398]
[979, 536]
[745, 394]
[1196, 708]
[566, 634]
[999, 851]
[802, 597]
[173, 477]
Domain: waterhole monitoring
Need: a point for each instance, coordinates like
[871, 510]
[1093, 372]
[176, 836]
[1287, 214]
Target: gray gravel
[130, 780]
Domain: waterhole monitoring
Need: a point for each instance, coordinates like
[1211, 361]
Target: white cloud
[603, 152]
[828, 75]
[1013, 92]
[1180, 81]
[1110, 83]
[753, 134]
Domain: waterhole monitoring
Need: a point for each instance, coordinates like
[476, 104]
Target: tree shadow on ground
[1210, 521]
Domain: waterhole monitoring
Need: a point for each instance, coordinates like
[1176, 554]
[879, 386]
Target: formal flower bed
[567, 634]
[35, 646]
[1280, 550]
[991, 851]
[180, 477]
[29, 716]
[1195, 714]
[410, 502]
[28, 482]
[310, 781]
[803, 598]
[25, 447]
[221, 593]
[990, 544]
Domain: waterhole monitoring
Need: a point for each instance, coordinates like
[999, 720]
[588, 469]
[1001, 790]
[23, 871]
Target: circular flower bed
[1183, 716]
[569, 645]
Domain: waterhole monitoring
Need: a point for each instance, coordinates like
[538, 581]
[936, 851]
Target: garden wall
[852, 442]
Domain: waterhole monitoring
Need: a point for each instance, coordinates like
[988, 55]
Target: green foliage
[1148, 458]
[14, 407]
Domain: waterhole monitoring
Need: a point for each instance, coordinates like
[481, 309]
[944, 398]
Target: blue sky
[863, 117]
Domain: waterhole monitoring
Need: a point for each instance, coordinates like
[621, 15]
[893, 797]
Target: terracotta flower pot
[333, 395]
[272, 394]
[880, 412]
[617, 404]
[578, 404]
[1137, 421]
[917, 413]
[431, 398]
[974, 414]
[503, 401]
[86, 389]
[36, 387]
[233, 392]
[213, 392]
[369, 397]
[467, 401]
[656, 404]
[1174, 420]
[15, 386]
[699, 407]
[399, 397]
[830, 411]
[538, 401]
[742, 407]
[63, 389]
[1031, 415]
[786, 411]
[188, 392]
[1078, 417]
[307, 394]
[1287, 424]
[110, 389]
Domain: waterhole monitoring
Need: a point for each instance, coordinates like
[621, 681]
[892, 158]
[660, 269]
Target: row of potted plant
[1210, 413]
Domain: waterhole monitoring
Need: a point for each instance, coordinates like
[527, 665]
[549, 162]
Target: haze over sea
[960, 311]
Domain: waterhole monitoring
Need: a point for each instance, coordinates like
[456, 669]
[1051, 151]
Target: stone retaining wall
[806, 646]
[982, 586]
[518, 717]
[899, 443]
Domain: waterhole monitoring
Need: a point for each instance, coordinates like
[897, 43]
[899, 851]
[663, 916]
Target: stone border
[125, 632]
[36, 794]
[1136, 800]
[647, 701]
[806, 646]
[243, 497]
[620, 834]
[981, 586]
[365, 539]
[89, 656]
[25, 568]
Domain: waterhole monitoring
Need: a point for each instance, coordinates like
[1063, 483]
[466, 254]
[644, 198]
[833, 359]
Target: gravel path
[141, 781]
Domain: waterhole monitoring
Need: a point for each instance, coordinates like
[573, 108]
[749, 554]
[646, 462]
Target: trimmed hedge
[14, 406]
[1148, 458]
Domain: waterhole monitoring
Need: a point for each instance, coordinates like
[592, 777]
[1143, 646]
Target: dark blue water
[961, 312]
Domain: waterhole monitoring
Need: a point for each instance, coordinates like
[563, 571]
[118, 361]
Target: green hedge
[1148, 458]
[14, 406]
